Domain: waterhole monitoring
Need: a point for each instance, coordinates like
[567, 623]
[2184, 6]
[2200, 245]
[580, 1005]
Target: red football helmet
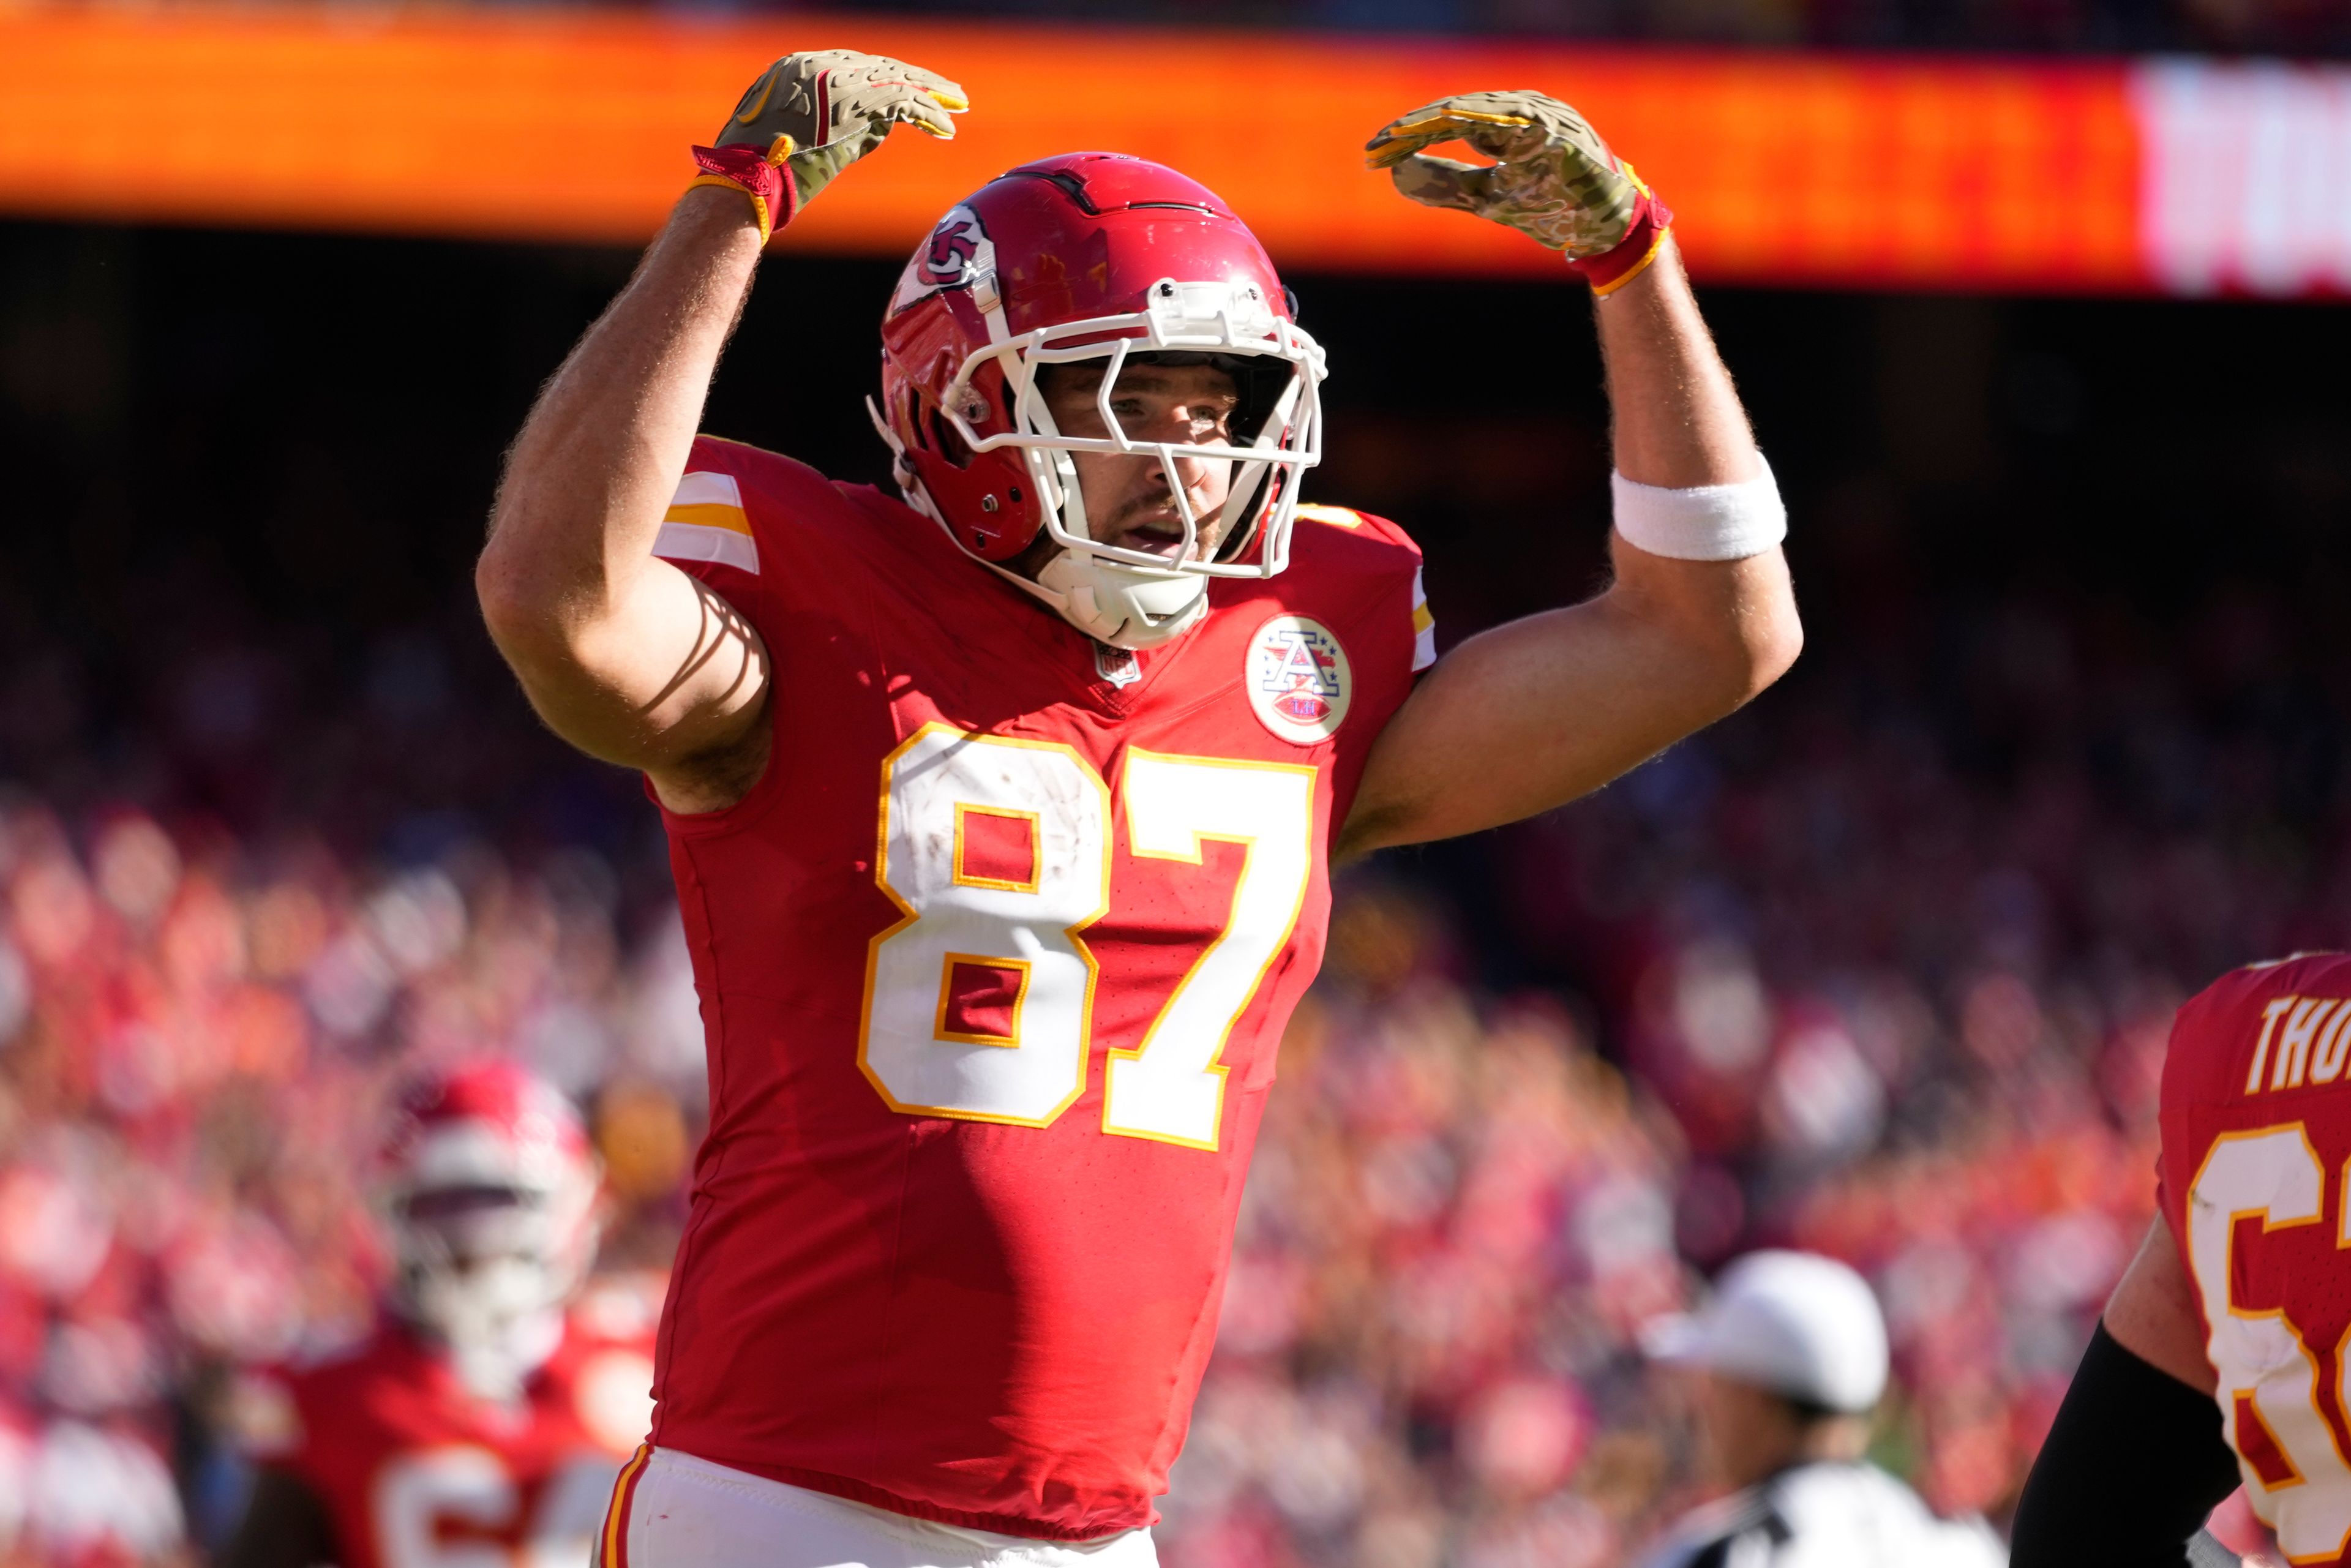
[488, 1191]
[1100, 257]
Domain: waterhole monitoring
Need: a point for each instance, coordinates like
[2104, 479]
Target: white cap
[1794, 1322]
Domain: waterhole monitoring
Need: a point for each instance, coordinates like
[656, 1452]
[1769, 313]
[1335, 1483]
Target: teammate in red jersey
[483, 1418]
[1001, 815]
[2221, 1358]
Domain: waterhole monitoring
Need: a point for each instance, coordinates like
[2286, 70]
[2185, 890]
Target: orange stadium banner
[1821, 171]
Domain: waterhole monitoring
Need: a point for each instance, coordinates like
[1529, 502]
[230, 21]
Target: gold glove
[1552, 179]
[809, 116]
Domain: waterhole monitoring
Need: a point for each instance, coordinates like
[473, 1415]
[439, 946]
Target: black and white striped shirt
[1826, 1515]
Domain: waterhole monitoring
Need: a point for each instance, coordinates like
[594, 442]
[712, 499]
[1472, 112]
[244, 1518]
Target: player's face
[475, 1225]
[1128, 501]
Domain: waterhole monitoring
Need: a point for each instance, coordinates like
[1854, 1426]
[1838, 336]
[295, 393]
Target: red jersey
[993, 963]
[416, 1471]
[2256, 1172]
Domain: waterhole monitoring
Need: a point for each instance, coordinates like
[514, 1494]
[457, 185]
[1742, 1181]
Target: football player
[484, 1419]
[2219, 1359]
[1001, 814]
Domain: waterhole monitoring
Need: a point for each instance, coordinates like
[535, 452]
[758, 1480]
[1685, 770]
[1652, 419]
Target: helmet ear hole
[942, 439]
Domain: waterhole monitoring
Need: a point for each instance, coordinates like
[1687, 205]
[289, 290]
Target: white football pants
[674, 1511]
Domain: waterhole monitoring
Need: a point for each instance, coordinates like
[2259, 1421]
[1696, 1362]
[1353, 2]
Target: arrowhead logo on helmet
[954, 245]
[1093, 258]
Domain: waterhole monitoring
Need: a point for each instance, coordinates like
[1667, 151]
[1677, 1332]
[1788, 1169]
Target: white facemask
[1126, 598]
[495, 1319]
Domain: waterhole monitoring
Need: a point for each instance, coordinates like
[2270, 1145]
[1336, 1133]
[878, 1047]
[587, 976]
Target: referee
[1790, 1359]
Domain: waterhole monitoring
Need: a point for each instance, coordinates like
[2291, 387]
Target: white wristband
[1707, 522]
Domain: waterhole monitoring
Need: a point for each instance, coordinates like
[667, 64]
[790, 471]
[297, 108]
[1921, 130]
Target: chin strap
[901, 470]
[1117, 605]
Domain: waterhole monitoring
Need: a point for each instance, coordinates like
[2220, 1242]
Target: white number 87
[1012, 930]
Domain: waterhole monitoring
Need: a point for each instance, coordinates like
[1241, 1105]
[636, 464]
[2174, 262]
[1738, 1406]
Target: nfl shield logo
[1297, 679]
[1116, 665]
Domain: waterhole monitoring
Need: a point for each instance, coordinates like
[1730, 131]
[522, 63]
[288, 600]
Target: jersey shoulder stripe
[1424, 626]
[705, 521]
[743, 507]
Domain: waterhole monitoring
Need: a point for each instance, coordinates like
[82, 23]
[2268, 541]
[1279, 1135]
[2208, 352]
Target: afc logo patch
[1297, 679]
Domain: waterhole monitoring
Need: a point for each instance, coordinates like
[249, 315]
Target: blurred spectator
[1882, 970]
[1459, 1219]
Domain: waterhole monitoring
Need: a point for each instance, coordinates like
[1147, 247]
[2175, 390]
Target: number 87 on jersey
[981, 1000]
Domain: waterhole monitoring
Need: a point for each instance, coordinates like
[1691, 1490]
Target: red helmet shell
[526, 1111]
[1061, 240]
[488, 1127]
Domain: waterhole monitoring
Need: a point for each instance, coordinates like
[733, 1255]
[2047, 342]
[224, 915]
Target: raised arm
[622, 653]
[1533, 714]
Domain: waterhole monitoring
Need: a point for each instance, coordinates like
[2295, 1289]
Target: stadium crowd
[1852, 994]
[1459, 1216]
[1881, 967]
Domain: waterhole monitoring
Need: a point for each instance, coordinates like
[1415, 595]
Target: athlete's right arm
[2135, 1461]
[625, 655]
[622, 655]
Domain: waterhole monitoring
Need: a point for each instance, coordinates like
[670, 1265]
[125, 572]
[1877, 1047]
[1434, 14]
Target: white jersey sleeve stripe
[1423, 627]
[710, 501]
[708, 488]
[697, 541]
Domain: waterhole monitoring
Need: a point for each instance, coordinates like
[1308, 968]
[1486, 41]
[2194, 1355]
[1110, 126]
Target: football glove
[810, 116]
[1552, 179]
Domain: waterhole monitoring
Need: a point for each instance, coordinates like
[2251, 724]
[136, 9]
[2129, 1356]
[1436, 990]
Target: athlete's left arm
[2135, 1461]
[1532, 714]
